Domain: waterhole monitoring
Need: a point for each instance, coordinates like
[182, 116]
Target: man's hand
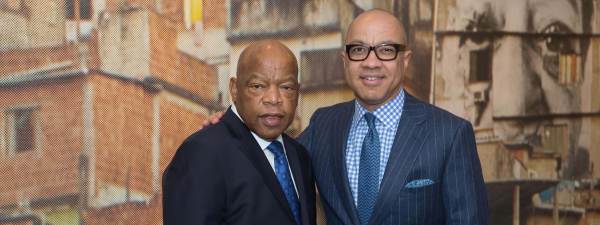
[212, 119]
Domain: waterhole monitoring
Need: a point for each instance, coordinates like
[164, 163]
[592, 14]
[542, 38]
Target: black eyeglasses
[384, 52]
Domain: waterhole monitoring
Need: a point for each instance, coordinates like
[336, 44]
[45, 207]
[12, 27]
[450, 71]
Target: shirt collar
[261, 141]
[389, 113]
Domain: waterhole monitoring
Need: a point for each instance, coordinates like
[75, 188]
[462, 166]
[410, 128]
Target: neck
[375, 106]
[369, 107]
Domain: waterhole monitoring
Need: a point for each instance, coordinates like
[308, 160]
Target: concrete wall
[124, 43]
[32, 24]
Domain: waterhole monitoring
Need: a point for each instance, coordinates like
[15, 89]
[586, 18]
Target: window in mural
[480, 65]
[555, 139]
[569, 69]
[321, 68]
[85, 9]
[421, 11]
[20, 130]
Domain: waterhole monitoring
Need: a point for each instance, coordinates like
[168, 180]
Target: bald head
[265, 91]
[266, 53]
[376, 18]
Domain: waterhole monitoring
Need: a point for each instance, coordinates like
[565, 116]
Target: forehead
[545, 12]
[271, 68]
[374, 30]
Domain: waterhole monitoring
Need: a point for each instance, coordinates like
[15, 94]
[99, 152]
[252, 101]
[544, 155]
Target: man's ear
[406, 59]
[233, 91]
[343, 56]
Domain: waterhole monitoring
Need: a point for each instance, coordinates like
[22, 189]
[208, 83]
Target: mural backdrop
[96, 95]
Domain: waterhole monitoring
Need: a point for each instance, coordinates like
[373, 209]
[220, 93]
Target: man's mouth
[272, 119]
[371, 80]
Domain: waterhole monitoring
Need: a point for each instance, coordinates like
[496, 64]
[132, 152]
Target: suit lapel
[340, 139]
[255, 154]
[409, 137]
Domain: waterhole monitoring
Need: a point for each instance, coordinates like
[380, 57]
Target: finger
[215, 118]
[205, 124]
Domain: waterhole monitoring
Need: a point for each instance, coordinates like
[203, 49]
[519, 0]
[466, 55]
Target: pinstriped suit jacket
[430, 144]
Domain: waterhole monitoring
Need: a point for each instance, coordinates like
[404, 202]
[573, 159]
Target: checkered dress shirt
[386, 123]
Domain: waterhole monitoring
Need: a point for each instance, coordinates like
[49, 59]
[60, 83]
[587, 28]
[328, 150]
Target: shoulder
[444, 116]
[438, 115]
[206, 142]
[201, 156]
[211, 133]
[333, 110]
[445, 127]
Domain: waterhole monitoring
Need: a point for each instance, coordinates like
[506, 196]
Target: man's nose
[371, 61]
[272, 95]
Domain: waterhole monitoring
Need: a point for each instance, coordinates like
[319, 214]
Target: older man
[386, 157]
[243, 170]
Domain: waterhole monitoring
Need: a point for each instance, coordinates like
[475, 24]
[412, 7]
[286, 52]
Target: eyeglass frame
[398, 47]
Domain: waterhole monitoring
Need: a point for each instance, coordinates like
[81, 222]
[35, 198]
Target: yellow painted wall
[311, 101]
[67, 216]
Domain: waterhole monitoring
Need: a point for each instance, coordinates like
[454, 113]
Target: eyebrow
[288, 78]
[261, 77]
[541, 18]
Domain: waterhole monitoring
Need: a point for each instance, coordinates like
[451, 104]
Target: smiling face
[265, 91]
[375, 82]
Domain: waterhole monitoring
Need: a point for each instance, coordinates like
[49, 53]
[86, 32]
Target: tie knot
[276, 148]
[370, 120]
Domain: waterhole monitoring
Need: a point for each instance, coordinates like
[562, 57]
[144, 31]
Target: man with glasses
[386, 157]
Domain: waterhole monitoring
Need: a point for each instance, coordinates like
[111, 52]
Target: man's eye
[288, 87]
[256, 86]
[560, 53]
[358, 49]
[555, 43]
[387, 50]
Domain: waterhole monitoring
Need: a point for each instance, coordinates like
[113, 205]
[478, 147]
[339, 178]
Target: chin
[269, 134]
[372, 100]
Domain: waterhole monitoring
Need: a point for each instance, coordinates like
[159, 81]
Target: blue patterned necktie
[285, 179]
[368, 174]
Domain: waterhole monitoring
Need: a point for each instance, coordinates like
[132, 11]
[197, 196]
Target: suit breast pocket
[420, 194]
[420, 205]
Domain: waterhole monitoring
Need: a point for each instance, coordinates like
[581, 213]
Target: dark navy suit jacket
[221, 176]
[433, 175]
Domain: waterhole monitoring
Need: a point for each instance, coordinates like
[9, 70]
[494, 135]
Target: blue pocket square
[419, 183]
